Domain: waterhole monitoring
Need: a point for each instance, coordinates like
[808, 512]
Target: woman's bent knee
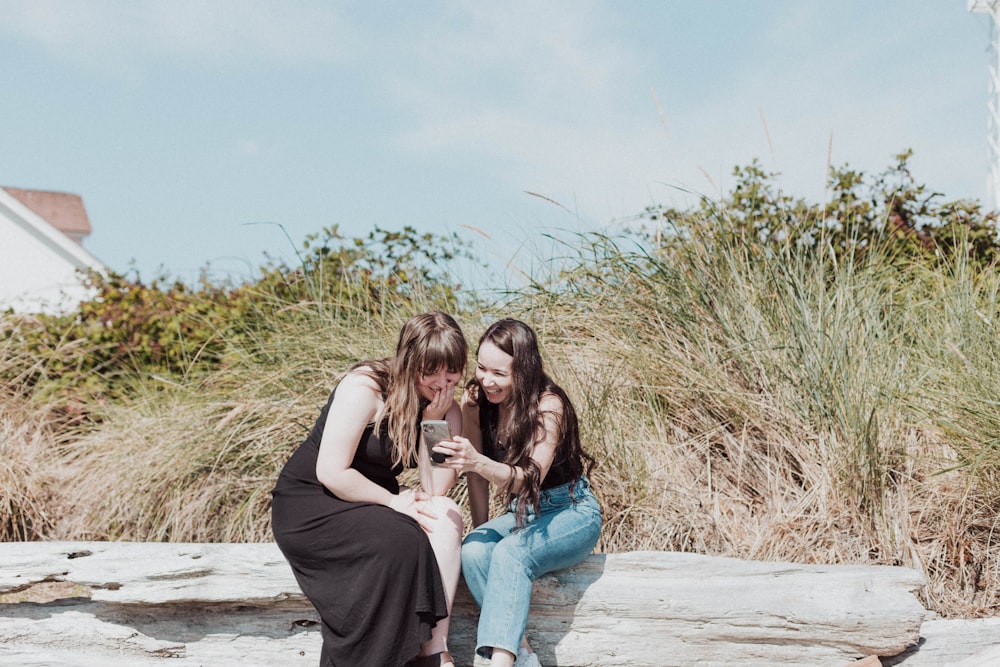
[448, 513]
[445, 528]
[445, 504]
[514, 553]
[475, 547]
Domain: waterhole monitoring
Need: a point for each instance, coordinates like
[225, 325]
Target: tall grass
[196, 460]
[779, 405]
[748, 401]
[25, 490]
[958, 399]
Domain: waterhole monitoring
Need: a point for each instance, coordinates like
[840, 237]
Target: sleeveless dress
[368, 569]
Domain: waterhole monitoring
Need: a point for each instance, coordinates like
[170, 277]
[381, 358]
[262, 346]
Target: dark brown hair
[523, 424]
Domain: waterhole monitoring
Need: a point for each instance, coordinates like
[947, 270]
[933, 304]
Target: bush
[889, 213]
[167, 329]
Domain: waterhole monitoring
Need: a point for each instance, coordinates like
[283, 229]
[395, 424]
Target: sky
[211, 135]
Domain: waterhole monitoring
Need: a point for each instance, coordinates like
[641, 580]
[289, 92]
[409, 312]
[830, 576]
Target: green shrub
[132, 329]
[889, 213]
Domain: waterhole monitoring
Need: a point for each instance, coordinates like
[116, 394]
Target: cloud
[524, 51]
[248, 147]
[546, 97]
[105, 33]
[556, 100]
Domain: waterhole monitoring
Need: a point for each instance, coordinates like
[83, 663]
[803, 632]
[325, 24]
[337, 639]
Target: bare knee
[447, 526]
[447, 511]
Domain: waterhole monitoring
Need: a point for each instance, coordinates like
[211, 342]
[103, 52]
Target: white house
[40, 250]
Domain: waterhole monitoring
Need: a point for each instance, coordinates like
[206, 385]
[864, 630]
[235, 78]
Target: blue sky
[182, 122]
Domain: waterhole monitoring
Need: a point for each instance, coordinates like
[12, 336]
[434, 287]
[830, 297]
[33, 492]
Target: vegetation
[759, 377]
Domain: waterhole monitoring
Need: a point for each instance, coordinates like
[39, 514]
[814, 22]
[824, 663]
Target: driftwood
[238, 604]
[955, 643]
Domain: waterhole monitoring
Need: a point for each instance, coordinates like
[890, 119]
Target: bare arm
[479, 488]
[471, 460]
[353, 408]
[438, 480]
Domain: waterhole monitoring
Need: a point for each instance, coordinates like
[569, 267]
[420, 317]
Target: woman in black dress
[380, 563]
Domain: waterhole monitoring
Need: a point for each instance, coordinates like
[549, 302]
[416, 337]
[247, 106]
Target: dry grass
[763, 485]
[178, 467]
[25, 489]
[750, 406]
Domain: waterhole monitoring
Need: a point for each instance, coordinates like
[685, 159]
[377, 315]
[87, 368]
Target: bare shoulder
[551, 403]
[358, 385]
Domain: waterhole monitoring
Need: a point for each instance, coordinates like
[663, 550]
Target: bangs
[443, 352]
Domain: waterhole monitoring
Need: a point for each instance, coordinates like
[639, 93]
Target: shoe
[481, 661]
[526, 658]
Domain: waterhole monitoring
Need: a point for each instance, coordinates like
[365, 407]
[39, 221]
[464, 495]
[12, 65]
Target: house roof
[62, 210]
[39, 263]
[66, 244]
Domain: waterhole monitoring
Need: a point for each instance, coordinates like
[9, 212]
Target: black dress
[368, 569]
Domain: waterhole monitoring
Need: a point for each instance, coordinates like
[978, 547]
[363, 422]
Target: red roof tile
[62, 210]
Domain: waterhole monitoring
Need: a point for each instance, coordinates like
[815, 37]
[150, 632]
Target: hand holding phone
[435, 430]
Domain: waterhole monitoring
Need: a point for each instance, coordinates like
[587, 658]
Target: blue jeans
[500, 563]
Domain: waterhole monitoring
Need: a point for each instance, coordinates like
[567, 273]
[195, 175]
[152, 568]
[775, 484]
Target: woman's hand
[415, 505]
[441, 403]
[462, 455]
[470, 397]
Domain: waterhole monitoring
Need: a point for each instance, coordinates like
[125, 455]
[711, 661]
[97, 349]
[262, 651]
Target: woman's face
[430, 384]
[494, 372]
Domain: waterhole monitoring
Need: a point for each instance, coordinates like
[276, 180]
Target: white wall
[38, 263]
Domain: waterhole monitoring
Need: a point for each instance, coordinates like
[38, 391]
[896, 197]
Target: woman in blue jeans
[519, 433]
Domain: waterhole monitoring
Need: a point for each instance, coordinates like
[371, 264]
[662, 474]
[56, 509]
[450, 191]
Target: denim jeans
[500, 563]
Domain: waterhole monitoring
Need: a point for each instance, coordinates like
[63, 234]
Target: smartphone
[435, 430]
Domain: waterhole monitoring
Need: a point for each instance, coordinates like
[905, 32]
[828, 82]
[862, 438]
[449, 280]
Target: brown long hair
[427, 342]
[523, 424]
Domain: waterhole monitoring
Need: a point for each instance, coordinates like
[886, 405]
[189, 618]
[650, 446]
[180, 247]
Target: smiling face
[429, 384]
[494, 372]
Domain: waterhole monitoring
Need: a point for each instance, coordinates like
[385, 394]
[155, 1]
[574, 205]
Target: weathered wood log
[954, 642]
[238, 604]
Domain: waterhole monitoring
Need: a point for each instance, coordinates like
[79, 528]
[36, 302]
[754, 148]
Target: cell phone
[435, 430]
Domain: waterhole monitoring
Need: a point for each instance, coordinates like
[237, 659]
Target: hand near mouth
[443, 399]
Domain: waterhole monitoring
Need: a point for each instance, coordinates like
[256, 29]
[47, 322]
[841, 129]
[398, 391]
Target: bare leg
[446, 540]
[502, 658]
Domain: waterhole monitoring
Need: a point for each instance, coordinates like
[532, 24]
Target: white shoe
[526, 658]
[480, 661]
